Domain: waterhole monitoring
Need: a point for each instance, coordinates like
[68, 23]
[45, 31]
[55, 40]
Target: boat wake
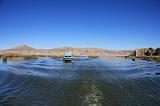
[93, 97]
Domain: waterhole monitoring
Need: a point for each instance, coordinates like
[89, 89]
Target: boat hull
[68, 60]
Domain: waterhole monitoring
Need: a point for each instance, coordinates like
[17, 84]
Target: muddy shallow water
[87, 82]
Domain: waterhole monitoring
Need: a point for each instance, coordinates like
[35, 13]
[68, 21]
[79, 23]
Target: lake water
[87, 82]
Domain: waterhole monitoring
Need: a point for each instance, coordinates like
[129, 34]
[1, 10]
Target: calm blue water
[87, 82]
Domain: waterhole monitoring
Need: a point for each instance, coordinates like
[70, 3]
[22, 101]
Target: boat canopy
[68, 54]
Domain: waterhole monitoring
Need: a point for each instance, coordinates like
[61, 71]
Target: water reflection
[4, 60]
[88, 82]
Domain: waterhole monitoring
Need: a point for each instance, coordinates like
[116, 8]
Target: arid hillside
[118, 52]
[27, 50]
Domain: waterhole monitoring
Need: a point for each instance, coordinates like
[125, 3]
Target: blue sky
[109, 24]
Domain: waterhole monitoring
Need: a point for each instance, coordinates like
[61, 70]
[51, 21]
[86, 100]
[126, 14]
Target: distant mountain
[80, 51]
[22, 47]
[27, 50]
[118, 52]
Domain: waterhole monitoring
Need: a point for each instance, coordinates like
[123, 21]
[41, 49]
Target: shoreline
[36, 56]
[25, 56]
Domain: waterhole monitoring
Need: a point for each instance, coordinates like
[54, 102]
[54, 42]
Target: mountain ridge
[28, 50]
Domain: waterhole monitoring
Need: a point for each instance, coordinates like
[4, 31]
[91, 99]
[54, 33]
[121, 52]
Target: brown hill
[146, 52]
[118, 52]
[21, 48]
[27, 50]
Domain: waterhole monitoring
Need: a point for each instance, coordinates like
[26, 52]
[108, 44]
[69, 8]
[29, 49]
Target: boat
[84, 56]
[68, 57]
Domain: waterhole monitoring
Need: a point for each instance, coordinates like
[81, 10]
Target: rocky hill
[21, 48]
[118, 52]
[146, 52]
[27, 50]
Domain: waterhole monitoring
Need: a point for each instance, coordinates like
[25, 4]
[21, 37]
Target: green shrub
[30, 57]
[5, 60]
[93, 56]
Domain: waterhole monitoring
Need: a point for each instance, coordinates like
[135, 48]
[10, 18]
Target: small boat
[84, 56]
[68, 57]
